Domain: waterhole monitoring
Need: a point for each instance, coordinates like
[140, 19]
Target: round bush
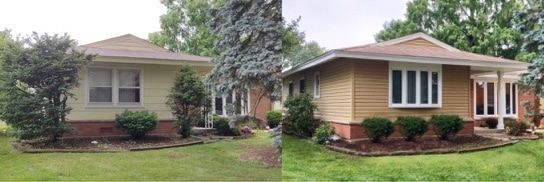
[299, 115]
[136, 123]
[446, 126]
[222, 127]
[491, 122]
[377, 128]
[515, 128]
[323, 133]
[411, 127]
[273, 118]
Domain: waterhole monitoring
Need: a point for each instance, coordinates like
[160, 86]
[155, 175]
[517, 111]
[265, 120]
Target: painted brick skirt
[107, 128]
[356, 131]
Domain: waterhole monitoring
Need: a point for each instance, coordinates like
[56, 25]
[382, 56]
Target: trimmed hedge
[378, 128]
[491, 122]
[446, 126]
[411, 127]
[136, 123]
[273, 118]
[323, 133]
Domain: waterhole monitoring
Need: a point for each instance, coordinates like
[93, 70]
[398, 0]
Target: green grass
[303, 160]
[214, 161]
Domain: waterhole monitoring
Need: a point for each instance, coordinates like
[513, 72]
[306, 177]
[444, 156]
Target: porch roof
[416, 48]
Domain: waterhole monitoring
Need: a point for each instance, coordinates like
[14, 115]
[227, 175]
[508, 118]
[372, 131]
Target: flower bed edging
[412, 152]
[166, 146]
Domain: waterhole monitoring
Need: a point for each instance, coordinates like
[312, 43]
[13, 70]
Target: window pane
[302, 86]
[129, 78]
[507, 94]
[424, 81]
[514, 98]
[100, 94]
[479, 98]
[129, 95]
[290, 88]
[397, 86]
[411, 86]
[219, 105]
[99, 77]
[490, 98]
[434, 87]
[316, 85]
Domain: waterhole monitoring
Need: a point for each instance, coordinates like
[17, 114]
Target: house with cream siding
[130, 73]
[413, 75]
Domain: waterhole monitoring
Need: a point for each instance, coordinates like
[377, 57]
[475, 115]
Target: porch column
[501, 100]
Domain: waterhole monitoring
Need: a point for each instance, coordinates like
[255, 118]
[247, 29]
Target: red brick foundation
[356, 131]
[107, 128]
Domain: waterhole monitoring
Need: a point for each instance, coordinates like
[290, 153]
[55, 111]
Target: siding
[419, 42]
[157, 81]
[371, 92]
[335, 101]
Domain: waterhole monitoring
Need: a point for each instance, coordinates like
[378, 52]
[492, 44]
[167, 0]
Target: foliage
[299, 115]
[305, 52]
[188, 99]
[276, 138]
[530, 23]
[136, 123]
[223, 127]
[446, 126]
[411, 127]
[491, 122]
[273, 118]
[295, 48]
[184, 29]
[249, 37]
[377, 128]
[514, 127]
[483, 27]
[38, 76]
[323, 133]
[4, 129]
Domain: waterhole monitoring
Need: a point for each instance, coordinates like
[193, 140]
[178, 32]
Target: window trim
[299, 85]
[404, 68]
[115, 88]
[496, 112]
[317, 89]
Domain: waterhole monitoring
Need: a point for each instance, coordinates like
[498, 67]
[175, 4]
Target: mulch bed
[111, 144]
[423, 146]
[267, 155]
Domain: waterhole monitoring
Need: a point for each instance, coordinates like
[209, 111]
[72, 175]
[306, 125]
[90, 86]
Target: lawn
[303, 160]
[215, 161]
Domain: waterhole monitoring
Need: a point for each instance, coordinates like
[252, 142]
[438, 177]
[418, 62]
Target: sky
[342, 23]
[84, 20]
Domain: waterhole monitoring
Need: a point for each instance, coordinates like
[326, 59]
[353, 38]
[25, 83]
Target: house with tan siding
[130, 73]
[413, 75]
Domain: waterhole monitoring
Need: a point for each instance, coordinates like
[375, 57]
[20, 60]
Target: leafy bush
[411, 127]
[323, 133]
[446, 126]
[299, 115]
[225, 127]
[136, 123]
[515, 128]
[4, 129]
[491, 122]
[378, 128]
[273, 118]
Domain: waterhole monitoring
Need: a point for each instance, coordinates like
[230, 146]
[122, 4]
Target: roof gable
[126, 42]
[418, 40]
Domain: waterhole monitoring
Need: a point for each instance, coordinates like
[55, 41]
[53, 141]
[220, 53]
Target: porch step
[203, 131]
[482, 130]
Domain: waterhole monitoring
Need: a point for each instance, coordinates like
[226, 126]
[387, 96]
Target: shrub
[513, 127]
[446, 126]
[491, 122]
[136, 123]
[378, 128]
[412, 127]
[299, 115]
[273, 118]
[323, 133]
[225, 127]
[4, 129]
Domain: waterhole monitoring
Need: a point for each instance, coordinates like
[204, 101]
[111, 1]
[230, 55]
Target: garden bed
[423, 146]
[111, 144]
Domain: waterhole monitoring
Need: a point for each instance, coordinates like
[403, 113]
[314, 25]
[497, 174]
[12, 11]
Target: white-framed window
[301, 85]
[317, 85]
[486, 98]
[114, 86]
[414, 85]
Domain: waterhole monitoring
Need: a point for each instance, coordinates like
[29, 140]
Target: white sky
[84, 20]
[342, 23]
